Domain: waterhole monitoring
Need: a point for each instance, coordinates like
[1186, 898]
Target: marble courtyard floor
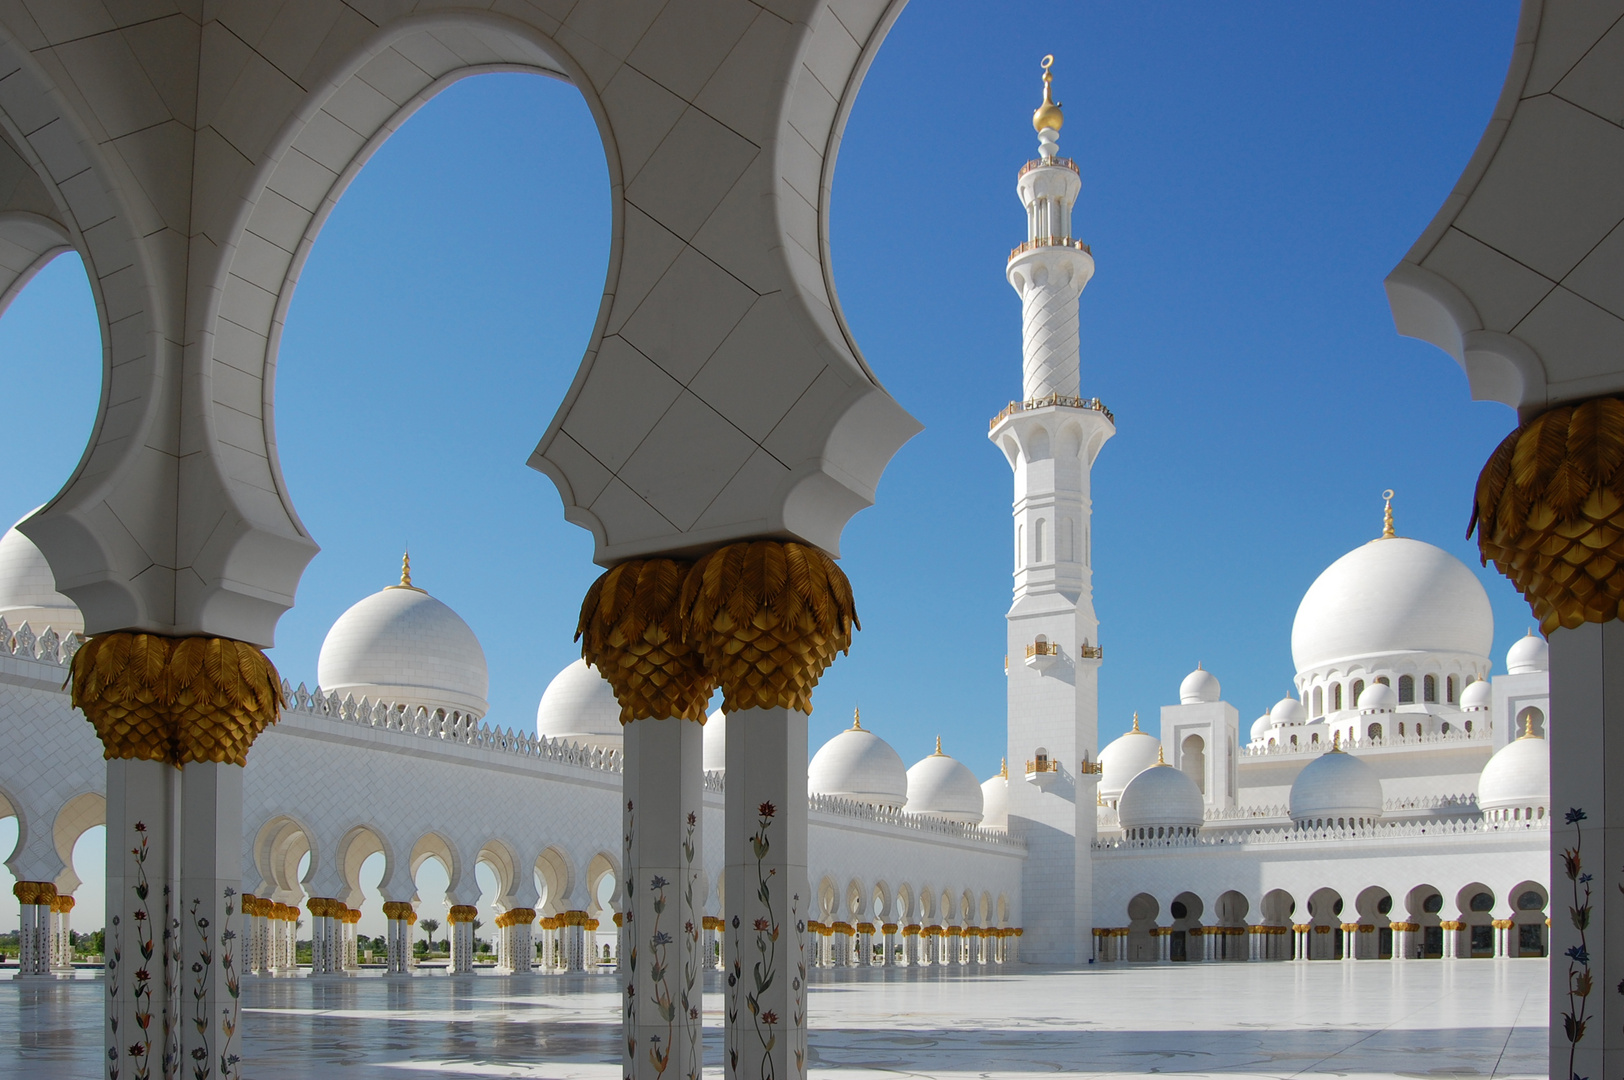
[1425, 1019]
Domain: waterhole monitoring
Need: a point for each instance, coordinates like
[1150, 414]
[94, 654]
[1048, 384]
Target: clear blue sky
[1251, 172]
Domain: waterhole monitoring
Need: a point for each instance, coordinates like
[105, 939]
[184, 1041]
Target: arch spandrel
[178, 520]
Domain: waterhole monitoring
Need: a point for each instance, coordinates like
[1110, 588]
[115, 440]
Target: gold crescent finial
[406, 573]
[1387, 515]
[1048, 114]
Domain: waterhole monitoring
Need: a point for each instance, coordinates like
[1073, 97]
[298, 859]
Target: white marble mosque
[1396, 806]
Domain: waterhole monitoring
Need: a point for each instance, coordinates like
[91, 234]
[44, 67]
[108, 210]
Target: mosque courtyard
[1351, 1019]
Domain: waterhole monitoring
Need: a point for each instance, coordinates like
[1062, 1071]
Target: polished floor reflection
[1368, 1018]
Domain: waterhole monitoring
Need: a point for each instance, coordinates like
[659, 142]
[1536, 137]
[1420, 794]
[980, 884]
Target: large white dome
[403, 646]
[1391, 596]
[1161, 796]
[1124, 758]
[1518, 776]
[1336, 789]
[579, 706]
[1529, 655]
[28, 589]
[941, 787]
[860, 766]
[995, 802]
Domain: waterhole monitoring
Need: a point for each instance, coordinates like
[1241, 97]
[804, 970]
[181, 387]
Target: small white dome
[1198, 687]
[1125, 758]
[401, 645]
[941, 787]
[995, 803]
[28, 589]
[1479, 697]
[579, 706]
[1161, 796]
[1288, 710]
[860, 766]
[716, 742]
[1529, 655]
[1378, 697]
[1518, 775]
[1336, 786]
[1261, 727]
[1389, 597]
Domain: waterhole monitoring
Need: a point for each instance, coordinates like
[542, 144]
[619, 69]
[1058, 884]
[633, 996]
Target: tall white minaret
[1051, 437]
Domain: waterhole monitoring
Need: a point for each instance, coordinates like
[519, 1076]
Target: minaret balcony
[1042, 772]
[1042, 163]
[1048, 401]
[1041, 655]
[1051, 242]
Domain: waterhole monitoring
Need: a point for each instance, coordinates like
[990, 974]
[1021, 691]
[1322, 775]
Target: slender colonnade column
[176, 716]
[631, 630]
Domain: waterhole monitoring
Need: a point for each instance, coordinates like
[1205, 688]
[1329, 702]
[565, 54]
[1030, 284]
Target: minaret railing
[1049, 242]
[1038, 163]
[1048, 401]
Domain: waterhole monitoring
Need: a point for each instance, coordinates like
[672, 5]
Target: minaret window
[1406, 689]
[1194, 754]
[1336, 697]
[1429, 689]
[1038, 539]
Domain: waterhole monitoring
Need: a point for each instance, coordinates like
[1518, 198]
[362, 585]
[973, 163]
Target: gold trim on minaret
[1047, 115]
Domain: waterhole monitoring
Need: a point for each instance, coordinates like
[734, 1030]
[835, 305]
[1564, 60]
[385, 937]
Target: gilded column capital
[180, 700]
[768, 617]
[34, 892]
[1549, 512]
[631, 630]
[462, 913]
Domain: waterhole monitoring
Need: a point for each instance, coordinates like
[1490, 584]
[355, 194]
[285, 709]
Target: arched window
[1313, 738]
[1038, 537]
[1401, 731]
[1406, 689]
[1319, 701]
[1294, 740]
[1445, 727]
[1384, 680]
[1358, 688]
[1429, 689]
[1374, 731]
[1449, 690]
[1523, 722]
[1336, 697]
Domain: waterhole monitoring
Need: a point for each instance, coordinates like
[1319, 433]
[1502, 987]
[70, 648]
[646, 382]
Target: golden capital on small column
[768, 617]
[34, 892]
[180, 700]
[631, 630]
[1549, 512]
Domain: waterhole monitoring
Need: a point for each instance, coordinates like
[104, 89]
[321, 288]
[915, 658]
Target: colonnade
[43, 949]
[842, 944]
[1352, 941]
[272, 936]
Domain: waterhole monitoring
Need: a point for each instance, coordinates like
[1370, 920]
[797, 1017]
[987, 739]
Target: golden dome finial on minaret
[1387, 515]
[1047, 115]
[857, 719]
[1136, 721]
[1160, 759]
[938, 748]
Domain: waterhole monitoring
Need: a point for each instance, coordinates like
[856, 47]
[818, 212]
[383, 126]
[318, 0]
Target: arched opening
[1429, 689]
[1449, 689]
[282, 857]
[1039, 540]
[436, 874]
[1424, 905]
[1193, 758]
[1529, 935]
[1336, 697]
[1324, 937]
[1374, 733]
[1142, 913]
[506, 284]
[1406, 689]
[1374, 938]
[1530, 720]
[1475, 904]
[1354, 692]
[1186, 910]
[1319, 701]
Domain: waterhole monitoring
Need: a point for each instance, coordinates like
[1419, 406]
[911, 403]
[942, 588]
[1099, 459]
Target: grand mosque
[1396, 807]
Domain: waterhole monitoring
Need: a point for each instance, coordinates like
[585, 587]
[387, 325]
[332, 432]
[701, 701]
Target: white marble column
[140, 1018]
[210, 916]
[460, 921]
[910, 945]
[768, 892]
[520, 954]
[663, 812]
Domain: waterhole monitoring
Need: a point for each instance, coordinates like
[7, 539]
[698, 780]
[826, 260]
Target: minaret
[1051, 437]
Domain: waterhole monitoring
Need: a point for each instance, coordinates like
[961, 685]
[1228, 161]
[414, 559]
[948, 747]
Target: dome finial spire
[1136, 721]
[1336, 742]
[1528, 726]
[1160, 758]
[1003, 767]
[938, 748]
[406, 573]
[1387, 515]
[1047, 115]
[857, 719]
